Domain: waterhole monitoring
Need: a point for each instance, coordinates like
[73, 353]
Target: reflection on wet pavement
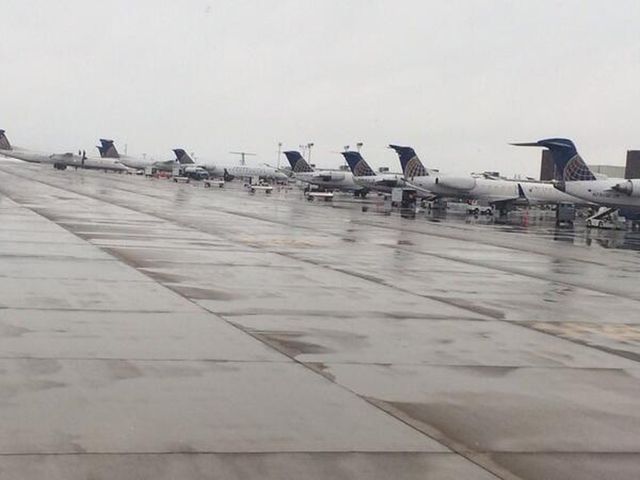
[154, 321]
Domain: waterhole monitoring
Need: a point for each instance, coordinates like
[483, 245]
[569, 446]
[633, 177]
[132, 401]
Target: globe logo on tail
[301, 167]
[415, 168]
[363, 170]
[577, 170]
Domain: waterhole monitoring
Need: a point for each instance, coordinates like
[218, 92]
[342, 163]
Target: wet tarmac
[156, 330]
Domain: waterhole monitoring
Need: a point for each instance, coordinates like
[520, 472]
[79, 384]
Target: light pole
[279, 154]
[359, 146]
[309, 145]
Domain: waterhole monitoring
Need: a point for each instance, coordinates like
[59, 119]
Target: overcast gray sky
[455, 79]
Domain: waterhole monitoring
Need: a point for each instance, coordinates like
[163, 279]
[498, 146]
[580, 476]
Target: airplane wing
[508, 203]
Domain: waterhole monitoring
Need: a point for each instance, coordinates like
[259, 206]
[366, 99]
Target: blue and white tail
[358, 165]
[183, 157]
[411, 164]
[298, 164]
[570, 167]
[107, 149]
[4, 142]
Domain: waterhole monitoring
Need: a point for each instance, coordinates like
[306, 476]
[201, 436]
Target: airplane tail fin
[182, 156]
[411, 164]
[358, 165]
[298, 164]
[4, 141]
[107, 149]
[569, 164]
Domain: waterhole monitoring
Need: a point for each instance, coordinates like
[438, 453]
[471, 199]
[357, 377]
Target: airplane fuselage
[330, 179]
[25, 155]
[242, 171]
[135, 162]
[383, 182]
[491, 191]
[546, 193]
[76, 161]
[603, 192]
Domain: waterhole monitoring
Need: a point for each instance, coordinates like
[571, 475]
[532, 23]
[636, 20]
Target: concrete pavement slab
[89, 294]
[266, 466]
[508, 409]
[421, 342]
[130, 335]
[119, 406]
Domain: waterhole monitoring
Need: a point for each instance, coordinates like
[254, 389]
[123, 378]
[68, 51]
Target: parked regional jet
[575, 178]
[229, 172]
[324, 179]
[61, 161]
[364, 175]
[494, 190]
[108, 149]
[58, 160]
[500, 193]
[23, 154]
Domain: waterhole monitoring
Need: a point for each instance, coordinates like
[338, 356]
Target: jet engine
[628, 187]
[456, 183]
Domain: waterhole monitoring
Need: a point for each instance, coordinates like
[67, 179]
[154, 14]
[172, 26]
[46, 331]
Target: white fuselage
[381, 182]
[68, 159]
[135, 162]
[330, 179]
[602, 192]
[490, 191]
[538, 193]
[243, 171]
[76, 161]
[25, 155]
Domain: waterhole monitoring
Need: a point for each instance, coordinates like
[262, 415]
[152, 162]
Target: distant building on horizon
[611, 171]
[632, 169]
